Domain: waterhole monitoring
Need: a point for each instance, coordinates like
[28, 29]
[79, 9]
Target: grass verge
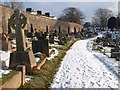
[5, 77]
[44, 77]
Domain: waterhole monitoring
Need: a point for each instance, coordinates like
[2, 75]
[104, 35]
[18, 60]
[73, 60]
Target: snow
[28, 78]
[53, 55]
[4, 58]
[111, 63]
[81, 69]
[37, 59]
[4, 72]
[36, 56]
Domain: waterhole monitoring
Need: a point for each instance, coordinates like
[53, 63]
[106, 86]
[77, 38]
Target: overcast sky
[55, 7]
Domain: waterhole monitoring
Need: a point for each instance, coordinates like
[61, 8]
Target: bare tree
[101, 17]
[14, 4]
[72, 14]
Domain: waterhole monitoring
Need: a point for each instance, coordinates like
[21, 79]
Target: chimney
[47, 14]
[39, 12]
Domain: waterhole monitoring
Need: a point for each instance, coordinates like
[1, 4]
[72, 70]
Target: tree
[101, 17]
[14, 4]
[112, 23]
[72, 14]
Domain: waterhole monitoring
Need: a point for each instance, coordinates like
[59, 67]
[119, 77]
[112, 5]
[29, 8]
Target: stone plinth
[22, 58]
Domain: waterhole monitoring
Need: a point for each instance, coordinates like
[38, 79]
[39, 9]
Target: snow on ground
[81, 69]
[111, 63]
[28, 78]
[4, 72]
[53, 55]
[4, 58]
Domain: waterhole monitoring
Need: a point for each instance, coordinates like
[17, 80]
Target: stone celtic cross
[18, 21]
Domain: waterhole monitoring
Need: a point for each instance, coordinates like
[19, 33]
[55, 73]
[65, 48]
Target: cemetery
[108, 48]
[28, 51]
[38, 51]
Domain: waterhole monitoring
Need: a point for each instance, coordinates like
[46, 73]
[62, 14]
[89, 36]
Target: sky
[55, 7]
[88, 8]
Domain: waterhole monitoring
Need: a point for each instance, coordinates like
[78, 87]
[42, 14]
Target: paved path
[80, 69]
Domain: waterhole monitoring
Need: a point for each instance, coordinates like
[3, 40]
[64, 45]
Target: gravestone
[41, 45]
[115, 52]
[22, 55]
[62, 38]
[4, 44]
[51, 39]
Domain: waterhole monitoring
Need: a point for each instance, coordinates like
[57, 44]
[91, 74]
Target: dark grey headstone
[51, 39]
[40, 46]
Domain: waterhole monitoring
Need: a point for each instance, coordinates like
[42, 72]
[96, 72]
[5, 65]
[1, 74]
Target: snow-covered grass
[53, 55]
[4, 59]
[28, 78]
[45, 75]
[110, 63]
[6, 74]
[4, 71]
[81, 69]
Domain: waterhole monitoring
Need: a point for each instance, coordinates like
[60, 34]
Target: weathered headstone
[22, 56]
[115, 52]
[62, 38]
[51, 39]
[4, 45]
[41, 45]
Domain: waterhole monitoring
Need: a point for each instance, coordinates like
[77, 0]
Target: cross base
[22, 58]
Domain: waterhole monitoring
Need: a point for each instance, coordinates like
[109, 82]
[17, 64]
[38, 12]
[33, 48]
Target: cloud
[114, 8]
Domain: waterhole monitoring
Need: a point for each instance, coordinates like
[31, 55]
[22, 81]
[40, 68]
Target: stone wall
[40, 23]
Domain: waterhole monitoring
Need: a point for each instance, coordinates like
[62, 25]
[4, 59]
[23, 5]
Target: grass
[5, 77]
[44, 77]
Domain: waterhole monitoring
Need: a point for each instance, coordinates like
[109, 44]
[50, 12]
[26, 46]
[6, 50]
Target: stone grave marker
[4, 45]
[62, 38]
[115, 52]
[51, 39]
[41, 45]
[22, 55]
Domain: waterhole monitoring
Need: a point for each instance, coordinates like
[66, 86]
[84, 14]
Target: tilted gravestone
[22, 55]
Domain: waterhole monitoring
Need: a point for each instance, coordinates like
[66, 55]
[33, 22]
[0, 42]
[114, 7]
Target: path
[80, 69]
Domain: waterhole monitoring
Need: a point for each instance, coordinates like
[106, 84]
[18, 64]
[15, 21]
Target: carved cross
[18, 21]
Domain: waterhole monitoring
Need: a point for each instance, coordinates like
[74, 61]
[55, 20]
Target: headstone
[29, 35]
[41, 45]
[21, 56]
[68, 30]
[75, 30]
[3, 42]
[62, 38]
[115, 52]
[51, 39]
